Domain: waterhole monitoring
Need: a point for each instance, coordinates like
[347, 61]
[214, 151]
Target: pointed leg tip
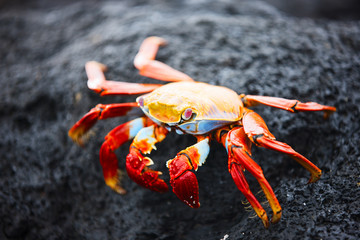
[157, 40]
[114, 184]
[95, 64]
[77, 136]
[263, 216]
[73, 133]
[120, 190]
[265, 220]
[266, 223]
[276, 217]
[314, 178]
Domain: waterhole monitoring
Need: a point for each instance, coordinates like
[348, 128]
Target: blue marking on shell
[202, 126]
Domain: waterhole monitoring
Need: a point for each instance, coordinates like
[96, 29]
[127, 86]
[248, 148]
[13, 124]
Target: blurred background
[329, 9]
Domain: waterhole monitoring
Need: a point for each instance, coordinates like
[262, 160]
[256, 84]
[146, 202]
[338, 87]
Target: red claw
[183, 181]
[186, 189]
[136, 167]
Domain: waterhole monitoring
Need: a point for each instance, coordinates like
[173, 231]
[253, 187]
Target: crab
[208, 112]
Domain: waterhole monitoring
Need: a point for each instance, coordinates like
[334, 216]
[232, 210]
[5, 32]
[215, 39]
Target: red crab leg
[113, 140]
[286, 104]
[99, 112]
[182, 178]
[149, 67]
[98, 83]
[256, 129]
[238, 146]
[137, 164]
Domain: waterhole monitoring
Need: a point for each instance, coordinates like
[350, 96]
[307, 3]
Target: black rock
[53, 189]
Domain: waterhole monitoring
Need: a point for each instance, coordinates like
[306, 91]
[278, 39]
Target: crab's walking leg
[238, 147]
[256, 129]
[113, 140]
[98, 83]
[286, 104]
[182, 177]
[149, 67]
[137, 164]
[99, 112]
[239, 150]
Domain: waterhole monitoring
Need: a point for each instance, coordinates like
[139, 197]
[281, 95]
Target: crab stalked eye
[187, 114]
[141, 101]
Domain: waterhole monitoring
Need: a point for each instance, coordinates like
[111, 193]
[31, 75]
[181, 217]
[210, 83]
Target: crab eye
[141, 101]
[187, 114]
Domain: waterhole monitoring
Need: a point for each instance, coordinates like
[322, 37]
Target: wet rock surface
[53, 189]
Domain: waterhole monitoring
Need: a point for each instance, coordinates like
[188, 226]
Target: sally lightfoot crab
[210, 113]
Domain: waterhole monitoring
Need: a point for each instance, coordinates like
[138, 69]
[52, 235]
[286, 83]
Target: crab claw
[138, 171]
[183, 181]
[181, 169]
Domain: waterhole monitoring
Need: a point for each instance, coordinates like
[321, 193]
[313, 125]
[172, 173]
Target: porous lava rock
[53, 189]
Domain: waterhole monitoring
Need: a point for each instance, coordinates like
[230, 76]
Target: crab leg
[182, 178]
[137, 164]
[257, 131]
[113, 140]
[99, 112]
[286, 104]
[149, 67]
[238, 146]
[98, 83]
